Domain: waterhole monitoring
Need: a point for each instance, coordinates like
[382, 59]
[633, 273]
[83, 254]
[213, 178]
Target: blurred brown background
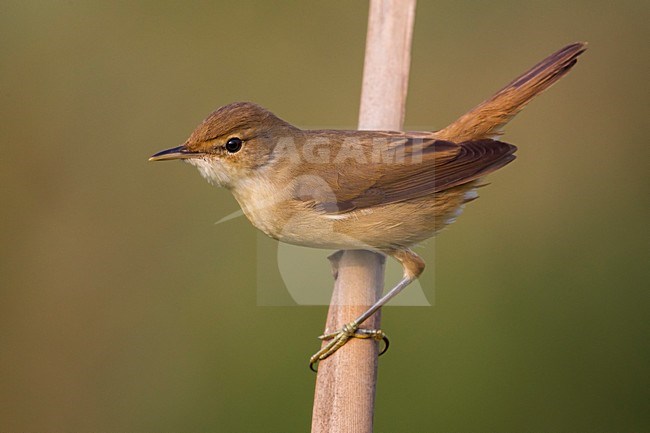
[124, 308]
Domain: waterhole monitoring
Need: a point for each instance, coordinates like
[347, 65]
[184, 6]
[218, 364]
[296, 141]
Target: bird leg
[413, 266]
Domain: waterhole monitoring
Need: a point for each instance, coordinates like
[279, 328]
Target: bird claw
[339, 338]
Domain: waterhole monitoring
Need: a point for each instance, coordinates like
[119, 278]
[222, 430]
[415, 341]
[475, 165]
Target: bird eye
[233, 144]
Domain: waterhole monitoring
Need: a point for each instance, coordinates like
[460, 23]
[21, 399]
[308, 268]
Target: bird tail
[488, 118]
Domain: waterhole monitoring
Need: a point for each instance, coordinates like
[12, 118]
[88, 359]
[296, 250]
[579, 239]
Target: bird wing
[400, 168]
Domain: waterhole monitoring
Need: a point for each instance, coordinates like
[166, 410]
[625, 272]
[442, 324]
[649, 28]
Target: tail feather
[488, 118]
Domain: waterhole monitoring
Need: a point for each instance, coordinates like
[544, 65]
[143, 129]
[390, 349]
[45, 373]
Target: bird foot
[339, 338]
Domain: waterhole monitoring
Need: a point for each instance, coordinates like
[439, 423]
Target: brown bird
[380, 190]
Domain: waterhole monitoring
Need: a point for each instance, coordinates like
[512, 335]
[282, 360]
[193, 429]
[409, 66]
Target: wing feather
[410, 167]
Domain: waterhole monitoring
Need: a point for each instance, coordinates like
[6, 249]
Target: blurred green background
[124, 308]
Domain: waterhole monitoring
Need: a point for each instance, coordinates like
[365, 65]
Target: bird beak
[180, 152]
